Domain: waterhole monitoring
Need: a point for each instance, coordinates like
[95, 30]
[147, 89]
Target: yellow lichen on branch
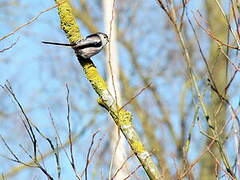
[125, 118]
[68, 21]
[138, 147]
[93, 76]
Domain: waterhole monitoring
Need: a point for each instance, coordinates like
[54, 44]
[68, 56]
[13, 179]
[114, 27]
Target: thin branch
[135, 96]
[30, 22]
[69, 129]
[121, 167]
[88, 155]
[133, 172]
[28, 126]
[9, 47]
[214, 37]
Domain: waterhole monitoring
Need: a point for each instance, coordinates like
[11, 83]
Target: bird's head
[103, 37]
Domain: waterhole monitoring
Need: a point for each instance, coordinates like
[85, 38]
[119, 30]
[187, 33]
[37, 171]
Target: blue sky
[38, 74]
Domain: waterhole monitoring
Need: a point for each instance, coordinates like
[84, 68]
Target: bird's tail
[58, 44]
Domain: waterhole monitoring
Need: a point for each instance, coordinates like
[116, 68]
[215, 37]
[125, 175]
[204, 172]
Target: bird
[87, 47]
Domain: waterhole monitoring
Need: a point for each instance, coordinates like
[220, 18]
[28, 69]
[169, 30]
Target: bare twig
[69, 130]
[229, 173]
[9, 47]
[29, 22]
[201, 52]
[9, 149]
[88, 155]
[28, 126]
[135, 170]
[118, 170]
[134, 97]
[214, 37]
[29, 129]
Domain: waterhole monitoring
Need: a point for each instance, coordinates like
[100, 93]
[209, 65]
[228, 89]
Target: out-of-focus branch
[210, 117]
[113, 81]
[218, 65]
[148, 128]
[157, 98]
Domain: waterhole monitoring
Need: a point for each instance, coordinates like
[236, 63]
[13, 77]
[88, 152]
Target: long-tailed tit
[87, 47]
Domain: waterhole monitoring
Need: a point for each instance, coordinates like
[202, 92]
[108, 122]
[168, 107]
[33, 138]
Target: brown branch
[30, 22]
[9, 47]
[214, 37]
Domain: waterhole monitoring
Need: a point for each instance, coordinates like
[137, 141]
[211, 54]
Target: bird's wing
[89, 41]
[92, 35]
